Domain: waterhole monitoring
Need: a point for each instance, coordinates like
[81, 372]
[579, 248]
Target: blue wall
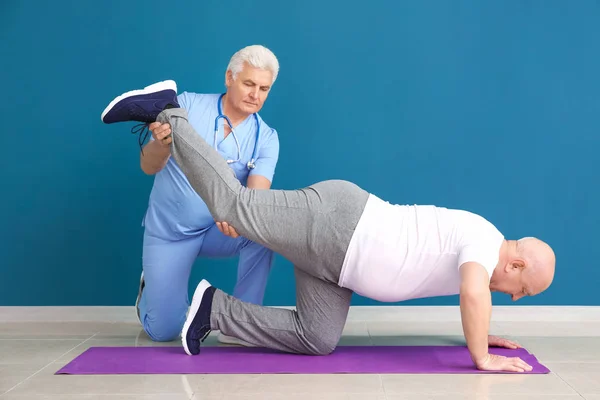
[487, 106]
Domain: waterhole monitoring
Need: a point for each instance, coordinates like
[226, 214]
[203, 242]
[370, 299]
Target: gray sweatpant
[311, 227]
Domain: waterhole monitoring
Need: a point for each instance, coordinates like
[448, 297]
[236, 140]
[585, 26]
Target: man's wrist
[163, 148]
[480, 359]
[158, 151]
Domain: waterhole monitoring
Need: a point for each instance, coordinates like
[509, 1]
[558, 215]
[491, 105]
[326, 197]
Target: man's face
[248, 92]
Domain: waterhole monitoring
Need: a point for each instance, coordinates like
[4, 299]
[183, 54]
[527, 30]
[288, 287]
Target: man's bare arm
[154, 157]
[258, 182]
[157, 152]
[475, 309]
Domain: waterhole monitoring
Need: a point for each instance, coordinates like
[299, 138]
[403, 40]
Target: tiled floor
[31, 352]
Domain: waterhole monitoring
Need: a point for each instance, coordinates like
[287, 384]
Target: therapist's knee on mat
[164, 329]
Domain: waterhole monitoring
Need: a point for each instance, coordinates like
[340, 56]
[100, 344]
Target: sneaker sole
[155, 87]
[196, 300]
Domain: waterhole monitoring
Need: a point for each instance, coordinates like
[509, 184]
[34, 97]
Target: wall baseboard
[452, 313]
[357, 313]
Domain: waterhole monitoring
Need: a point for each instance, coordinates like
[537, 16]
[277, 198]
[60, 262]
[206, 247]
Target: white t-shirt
[402, 252]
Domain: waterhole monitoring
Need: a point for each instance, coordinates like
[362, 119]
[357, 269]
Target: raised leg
[303, 225]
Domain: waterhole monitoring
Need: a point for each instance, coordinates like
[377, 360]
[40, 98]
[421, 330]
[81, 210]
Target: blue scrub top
[175, 210]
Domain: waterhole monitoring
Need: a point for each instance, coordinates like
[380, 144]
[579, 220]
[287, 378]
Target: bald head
[525, 268]
[539, 263]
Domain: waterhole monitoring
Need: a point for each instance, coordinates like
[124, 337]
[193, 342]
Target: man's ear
[228, 78]
[517, 264]
[513, 265]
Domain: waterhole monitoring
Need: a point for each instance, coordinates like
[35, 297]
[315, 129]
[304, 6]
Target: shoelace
[206, 334]
[143, 130]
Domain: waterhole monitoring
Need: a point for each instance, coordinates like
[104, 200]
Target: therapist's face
[249, 90]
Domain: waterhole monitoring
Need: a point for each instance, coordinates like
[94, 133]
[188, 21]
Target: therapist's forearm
[258, 182]
[154, 157]
[476, 311]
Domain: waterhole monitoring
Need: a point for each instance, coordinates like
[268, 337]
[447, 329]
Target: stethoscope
[250, 164]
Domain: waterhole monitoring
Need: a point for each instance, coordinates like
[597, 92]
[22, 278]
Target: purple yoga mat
[242, 360]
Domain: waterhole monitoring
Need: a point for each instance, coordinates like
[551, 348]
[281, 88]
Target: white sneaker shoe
[233, 340]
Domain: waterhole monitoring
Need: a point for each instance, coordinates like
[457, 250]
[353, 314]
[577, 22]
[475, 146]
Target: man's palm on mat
[492, 362]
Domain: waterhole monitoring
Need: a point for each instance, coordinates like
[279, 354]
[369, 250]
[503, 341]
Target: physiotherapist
[178, 228]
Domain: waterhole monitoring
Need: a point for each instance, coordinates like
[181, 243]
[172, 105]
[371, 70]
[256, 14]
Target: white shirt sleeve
[484, 254]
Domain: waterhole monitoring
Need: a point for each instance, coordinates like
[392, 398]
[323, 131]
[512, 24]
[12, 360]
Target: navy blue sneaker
[142, 105]
[197, 323]
[139, 298]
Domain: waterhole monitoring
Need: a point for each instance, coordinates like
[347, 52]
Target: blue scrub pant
[167, 266]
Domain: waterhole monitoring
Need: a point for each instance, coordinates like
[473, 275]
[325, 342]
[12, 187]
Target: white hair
[257, 56]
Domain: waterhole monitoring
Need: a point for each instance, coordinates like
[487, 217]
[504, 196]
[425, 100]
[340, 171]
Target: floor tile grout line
[369, 333]
[187, 387]
[47, 365]
[382, 387]
[568, 384]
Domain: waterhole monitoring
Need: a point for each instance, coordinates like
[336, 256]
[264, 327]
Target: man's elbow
[147, 168]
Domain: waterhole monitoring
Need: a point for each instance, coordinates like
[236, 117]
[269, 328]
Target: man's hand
[227, 230]
[492, 362]
[495, 341]
[157, 152]
[161, 133]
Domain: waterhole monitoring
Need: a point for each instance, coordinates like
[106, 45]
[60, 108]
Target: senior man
[344, 240]
[178, 226]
